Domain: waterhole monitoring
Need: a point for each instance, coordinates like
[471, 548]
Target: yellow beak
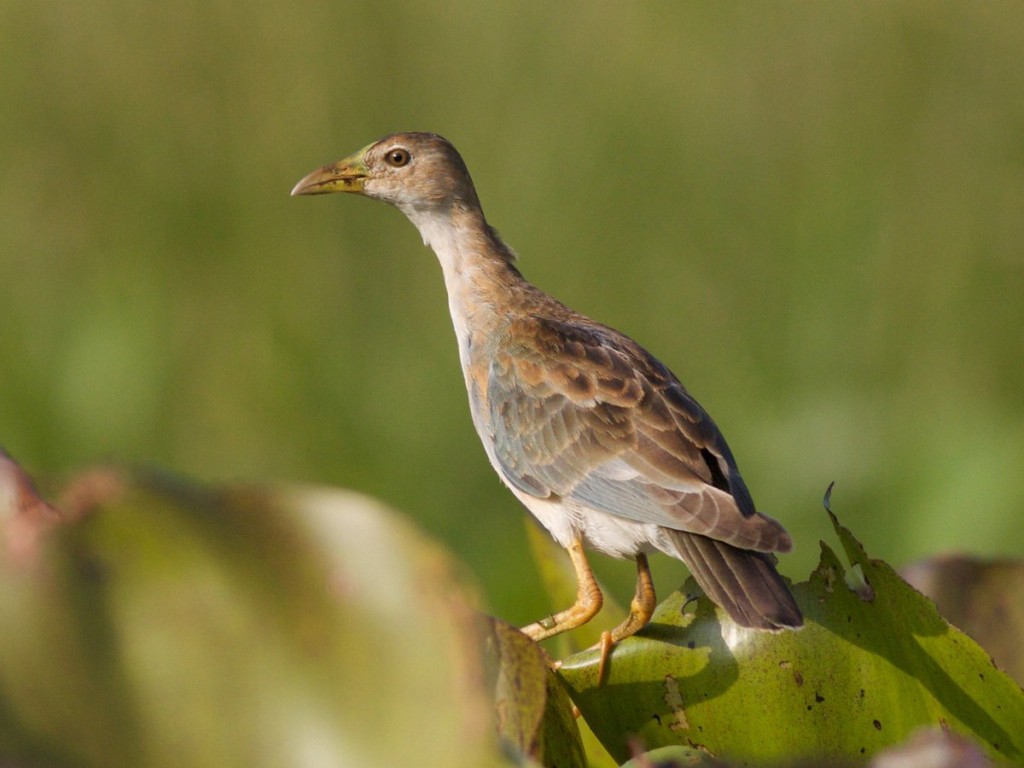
[346, 175]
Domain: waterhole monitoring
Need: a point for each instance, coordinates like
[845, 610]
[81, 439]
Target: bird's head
[415, 172]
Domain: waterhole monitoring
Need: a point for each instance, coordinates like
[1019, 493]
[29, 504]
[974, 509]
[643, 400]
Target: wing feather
[583, 413]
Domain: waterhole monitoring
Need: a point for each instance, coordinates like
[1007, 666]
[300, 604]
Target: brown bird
[591, 433]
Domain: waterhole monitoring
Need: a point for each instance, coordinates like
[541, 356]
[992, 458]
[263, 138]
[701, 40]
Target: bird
[594, 435]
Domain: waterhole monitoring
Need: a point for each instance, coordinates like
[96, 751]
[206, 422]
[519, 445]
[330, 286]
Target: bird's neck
[482, 282]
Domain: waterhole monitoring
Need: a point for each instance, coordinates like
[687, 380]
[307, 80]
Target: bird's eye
[397, 157]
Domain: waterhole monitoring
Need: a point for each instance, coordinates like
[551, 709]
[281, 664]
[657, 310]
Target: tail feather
[744, 583]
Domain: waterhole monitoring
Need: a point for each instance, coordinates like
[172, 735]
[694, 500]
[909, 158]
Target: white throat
[452, 244]
[437, 229]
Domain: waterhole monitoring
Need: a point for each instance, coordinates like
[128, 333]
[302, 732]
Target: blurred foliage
[812, 213]
[156, 623]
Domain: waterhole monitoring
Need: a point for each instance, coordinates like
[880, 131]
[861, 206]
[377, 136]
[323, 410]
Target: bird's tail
[742, 582]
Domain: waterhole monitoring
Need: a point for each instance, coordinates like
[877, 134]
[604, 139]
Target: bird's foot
[606, 645]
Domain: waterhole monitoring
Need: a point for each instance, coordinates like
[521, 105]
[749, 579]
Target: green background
[813, 213]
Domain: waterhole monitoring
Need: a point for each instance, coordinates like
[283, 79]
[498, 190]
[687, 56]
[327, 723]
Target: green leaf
[535, 715]
[984, 598]
[874, 661]
[166, 625]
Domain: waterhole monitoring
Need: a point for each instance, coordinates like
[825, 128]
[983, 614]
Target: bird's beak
[346, 175]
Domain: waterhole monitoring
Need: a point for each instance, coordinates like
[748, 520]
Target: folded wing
[583, 413]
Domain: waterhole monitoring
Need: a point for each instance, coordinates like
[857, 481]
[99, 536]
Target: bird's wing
[582, 413]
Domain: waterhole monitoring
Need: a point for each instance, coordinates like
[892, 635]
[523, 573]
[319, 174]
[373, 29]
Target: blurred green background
[813, 213]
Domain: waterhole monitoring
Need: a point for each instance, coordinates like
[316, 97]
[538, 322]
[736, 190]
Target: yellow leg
[641, 608]
[588, 600]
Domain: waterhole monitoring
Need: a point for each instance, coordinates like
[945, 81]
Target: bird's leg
[641, 608]
[588, 600]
